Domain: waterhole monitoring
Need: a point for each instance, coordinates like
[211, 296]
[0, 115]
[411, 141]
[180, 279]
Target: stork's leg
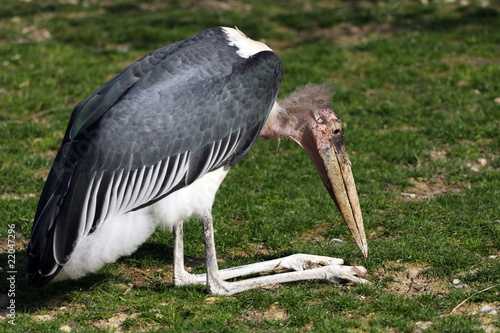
[215, 284]
[180, 274]
[306, 267]
[181, 277]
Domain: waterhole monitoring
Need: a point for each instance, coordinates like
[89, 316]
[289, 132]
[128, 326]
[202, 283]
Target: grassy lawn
[418, 89]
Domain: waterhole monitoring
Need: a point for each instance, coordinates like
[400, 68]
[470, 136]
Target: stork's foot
[304, 270]
[183, 278]
[301, 267]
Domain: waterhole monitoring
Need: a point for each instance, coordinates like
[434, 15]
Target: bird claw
[335, 271]
[300, 261]
[348, 273]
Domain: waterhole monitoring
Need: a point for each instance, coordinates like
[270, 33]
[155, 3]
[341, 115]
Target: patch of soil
[274, 313]
[217, 7]
[139, 277]
[407, 279]
[20, 245]
[12, 196]
[385, 129]
[255, 249]
[423, 188]
[44, 317]
[317, 234]
[480, 163]
[475, 61]
[437, 154]
[114, 322]
[348, 34]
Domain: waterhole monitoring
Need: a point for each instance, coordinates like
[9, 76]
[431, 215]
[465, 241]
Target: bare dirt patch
[408, 280]
[43, 317]
[437, 154]
[347, 34]
[274, 313]
[423, 188]
[140, 277]
[317, 234]
[85, 14]
[12, 196]
[217, 7]
[113, 323]
[254, 249]
[19, 244]
[385, 129]
[22, 30]
[482, 163]
[475, 61]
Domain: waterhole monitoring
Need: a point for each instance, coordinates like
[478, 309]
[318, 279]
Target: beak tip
[364, 248]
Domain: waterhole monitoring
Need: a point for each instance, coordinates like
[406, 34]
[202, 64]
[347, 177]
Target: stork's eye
[337, 131]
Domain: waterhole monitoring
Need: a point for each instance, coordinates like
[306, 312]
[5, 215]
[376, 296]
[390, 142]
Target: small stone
[336, 240]
[412, 273]
[65, 328]
[474, 168]
[42, 317]
[482, 161]
[455, 281]
[211, 300]
[461, 286]
[486, 308]
[497, 100]
[408, 195]
[493, 312]
[24, 84]
[477, 92]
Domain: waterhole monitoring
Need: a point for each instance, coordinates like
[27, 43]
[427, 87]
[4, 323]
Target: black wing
[166, 120]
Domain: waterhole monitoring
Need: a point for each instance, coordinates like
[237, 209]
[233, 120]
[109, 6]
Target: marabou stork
[151, 146]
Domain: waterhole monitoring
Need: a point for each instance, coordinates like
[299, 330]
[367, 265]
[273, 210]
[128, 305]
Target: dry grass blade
[465, 300]
[7, 188]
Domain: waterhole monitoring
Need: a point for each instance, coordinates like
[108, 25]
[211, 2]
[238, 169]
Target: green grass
[415, 87]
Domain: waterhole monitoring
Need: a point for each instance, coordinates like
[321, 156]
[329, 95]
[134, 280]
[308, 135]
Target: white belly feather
[122, 235]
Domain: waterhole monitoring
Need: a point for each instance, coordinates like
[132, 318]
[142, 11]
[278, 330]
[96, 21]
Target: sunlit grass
[416, 88]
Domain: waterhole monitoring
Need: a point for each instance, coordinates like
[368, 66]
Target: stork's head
[306, 117]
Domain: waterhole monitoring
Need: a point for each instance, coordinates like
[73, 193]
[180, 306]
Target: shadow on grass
[154, 254]
[30, 298]
[424, 18]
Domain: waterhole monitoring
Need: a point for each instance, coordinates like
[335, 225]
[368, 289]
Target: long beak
[324, 143]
